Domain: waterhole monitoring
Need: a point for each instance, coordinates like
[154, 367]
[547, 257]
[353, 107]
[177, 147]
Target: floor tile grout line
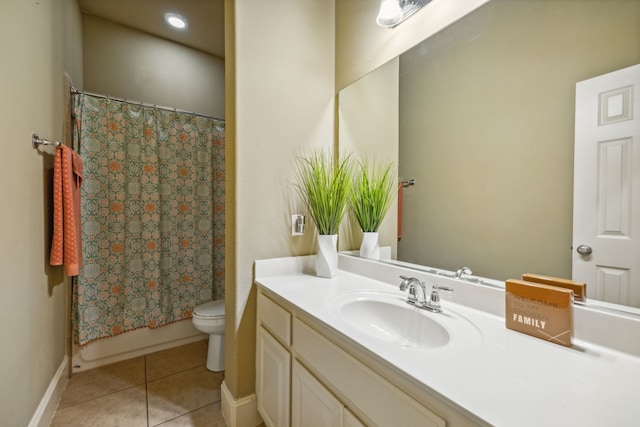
[186, 413]
[213, 402]
[99, 397]
[174, 373]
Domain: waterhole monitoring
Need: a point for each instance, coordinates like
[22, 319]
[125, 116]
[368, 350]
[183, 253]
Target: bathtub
[133, 344]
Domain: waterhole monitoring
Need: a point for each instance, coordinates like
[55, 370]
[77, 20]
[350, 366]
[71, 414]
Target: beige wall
[368, 117]
[38, 42]
[487, 110]
[362, 46]
[126, 63]
[281, 100]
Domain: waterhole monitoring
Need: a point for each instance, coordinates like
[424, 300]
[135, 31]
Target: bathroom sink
[388, 319]
[394, 323]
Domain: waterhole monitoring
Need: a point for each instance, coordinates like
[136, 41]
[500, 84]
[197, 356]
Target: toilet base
[215, 355]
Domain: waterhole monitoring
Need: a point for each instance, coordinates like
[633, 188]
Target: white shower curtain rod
[144, 104]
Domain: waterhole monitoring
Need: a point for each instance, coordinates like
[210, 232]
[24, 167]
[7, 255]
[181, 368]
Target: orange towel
[66, 247]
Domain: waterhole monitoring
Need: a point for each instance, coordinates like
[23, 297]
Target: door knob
[584, 250]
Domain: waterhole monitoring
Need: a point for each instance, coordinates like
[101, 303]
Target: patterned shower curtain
[152, 207]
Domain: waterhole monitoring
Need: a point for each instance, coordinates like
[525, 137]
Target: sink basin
[388, 319]
[394, 323]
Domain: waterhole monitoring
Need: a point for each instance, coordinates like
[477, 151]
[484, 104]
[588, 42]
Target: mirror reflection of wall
[486, 129]
[368, 116]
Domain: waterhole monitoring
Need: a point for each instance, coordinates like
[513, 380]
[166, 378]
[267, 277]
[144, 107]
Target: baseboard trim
[43, 415]
[239, 413]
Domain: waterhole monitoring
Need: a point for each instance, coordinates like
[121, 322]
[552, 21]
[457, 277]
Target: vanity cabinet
[306, 376]
[273, 379]
[273, 363]
[312, 404]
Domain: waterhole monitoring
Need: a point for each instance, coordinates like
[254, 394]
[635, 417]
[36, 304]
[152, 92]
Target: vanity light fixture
[393, 12]
[175, 20]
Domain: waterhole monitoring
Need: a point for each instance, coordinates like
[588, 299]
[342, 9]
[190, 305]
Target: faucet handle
[406, 281]
[435, 296]
[442, 288]
[434, 299]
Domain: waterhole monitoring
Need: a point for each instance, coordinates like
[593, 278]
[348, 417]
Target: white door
[606, 205]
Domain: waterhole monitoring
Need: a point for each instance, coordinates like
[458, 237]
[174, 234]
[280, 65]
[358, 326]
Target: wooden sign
[579, 289]
[542, 311]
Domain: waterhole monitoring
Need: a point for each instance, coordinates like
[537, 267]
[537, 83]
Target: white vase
[327, 257]
[369, 247]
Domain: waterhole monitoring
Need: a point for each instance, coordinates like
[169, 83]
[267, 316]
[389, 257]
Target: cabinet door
[273, 375]
[350, 420]
[312, 405]
[382, 402]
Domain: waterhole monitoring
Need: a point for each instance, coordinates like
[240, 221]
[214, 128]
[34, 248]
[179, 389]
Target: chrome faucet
[416, 290]
[463, 271]
[418, 294]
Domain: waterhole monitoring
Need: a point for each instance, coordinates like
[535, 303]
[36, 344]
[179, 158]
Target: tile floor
[169, 388]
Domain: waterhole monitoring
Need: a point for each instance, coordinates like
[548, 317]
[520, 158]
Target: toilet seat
[211, 309]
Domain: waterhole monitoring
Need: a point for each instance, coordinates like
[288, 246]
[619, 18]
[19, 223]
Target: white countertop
[508, 379]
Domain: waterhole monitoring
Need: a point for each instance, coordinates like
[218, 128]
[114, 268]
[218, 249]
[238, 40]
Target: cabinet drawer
[381, 401]
[275, 319]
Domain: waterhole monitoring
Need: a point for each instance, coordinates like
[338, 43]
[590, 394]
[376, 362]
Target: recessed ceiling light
[175, 20]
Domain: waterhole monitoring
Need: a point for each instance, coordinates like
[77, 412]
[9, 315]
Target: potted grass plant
[323, 184]
[370, 197]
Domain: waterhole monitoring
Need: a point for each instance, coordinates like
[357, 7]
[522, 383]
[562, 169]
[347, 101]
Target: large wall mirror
[486, 129]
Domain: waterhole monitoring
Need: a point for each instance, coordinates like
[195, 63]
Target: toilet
[209, 318]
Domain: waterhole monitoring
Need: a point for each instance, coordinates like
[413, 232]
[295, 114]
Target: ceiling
[206, 19]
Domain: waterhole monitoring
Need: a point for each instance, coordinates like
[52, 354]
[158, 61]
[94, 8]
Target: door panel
[606, 214]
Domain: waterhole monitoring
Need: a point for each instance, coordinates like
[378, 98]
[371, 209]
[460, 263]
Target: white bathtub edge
[133, 344]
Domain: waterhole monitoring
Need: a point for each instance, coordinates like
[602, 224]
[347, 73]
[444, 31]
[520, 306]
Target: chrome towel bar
[408, 183]
[37, 141]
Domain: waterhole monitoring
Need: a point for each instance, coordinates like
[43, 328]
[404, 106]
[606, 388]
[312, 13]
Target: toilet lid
[210, 309]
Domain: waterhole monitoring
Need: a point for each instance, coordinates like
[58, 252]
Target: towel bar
[37, 142]
[408, 183]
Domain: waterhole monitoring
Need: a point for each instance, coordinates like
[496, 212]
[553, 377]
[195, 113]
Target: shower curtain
[152, 216]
